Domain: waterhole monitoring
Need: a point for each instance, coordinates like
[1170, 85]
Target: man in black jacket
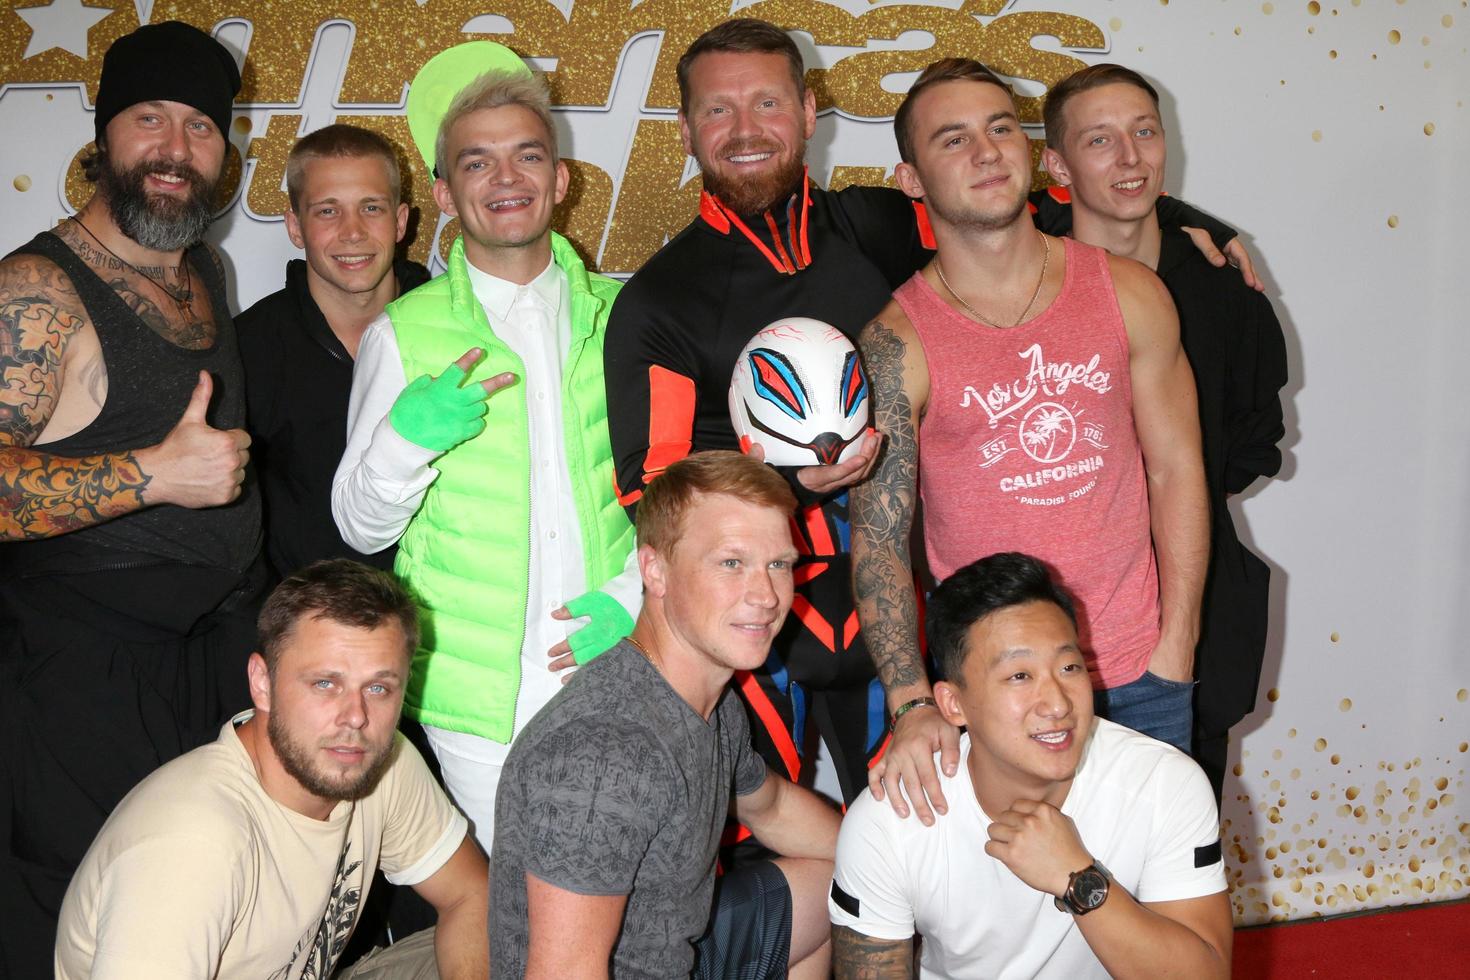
[766, 244]
[299, 343]
[1105, 147]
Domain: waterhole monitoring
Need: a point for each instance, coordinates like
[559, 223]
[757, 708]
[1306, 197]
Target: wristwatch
[1086, 889]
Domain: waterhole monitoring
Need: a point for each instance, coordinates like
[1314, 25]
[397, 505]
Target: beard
[752, 195]
[968, 218]
[163, 224]
[297, 760]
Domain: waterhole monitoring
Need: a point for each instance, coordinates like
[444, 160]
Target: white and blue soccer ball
[800, 393]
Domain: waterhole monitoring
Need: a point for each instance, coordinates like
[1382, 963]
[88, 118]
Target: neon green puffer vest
[466, 553]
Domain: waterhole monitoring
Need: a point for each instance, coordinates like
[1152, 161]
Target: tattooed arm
[40, 315]
[859, 957]
[883, 580]
[47, 495]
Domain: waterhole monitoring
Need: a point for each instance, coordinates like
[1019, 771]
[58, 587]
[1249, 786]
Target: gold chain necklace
[976, 314]
[182, 297]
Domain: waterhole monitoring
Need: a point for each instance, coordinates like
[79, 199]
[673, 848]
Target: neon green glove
[610, 622]
[437, 413]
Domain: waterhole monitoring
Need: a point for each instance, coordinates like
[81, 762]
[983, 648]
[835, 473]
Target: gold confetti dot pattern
[1429, 129]
[1318, 874]
[1393, 221]
[22, 183]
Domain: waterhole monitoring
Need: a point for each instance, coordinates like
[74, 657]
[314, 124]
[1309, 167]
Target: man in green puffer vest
[477, 432]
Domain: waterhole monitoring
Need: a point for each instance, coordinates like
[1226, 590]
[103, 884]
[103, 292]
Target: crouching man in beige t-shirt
[251, 857]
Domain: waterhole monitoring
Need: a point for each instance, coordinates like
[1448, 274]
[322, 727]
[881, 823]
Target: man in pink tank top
[1033, 391]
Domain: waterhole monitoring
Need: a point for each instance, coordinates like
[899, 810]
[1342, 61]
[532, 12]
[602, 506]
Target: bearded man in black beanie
[130, 584]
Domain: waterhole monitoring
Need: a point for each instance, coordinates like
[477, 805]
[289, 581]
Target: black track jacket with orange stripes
[678, 325]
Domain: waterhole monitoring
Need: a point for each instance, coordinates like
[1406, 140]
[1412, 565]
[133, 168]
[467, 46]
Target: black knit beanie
[168, 62]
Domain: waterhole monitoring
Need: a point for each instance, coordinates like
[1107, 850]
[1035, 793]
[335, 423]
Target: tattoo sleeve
[36, 324]
[43, 495]
[882, 511]
[859, 957]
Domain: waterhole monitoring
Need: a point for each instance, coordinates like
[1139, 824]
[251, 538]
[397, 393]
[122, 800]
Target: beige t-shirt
[200, 873]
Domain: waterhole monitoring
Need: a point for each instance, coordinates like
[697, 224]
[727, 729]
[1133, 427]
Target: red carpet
[1423, 941]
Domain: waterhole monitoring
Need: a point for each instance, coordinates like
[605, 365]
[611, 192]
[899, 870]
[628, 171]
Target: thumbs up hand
[196, 465]
[439, 414]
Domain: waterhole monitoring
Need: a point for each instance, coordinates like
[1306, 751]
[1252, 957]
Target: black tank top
[149, 381]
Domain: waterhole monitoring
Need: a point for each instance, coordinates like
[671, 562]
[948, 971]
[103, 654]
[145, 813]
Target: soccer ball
[800, 393]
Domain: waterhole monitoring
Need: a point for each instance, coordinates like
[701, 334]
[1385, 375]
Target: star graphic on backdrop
[60, 24]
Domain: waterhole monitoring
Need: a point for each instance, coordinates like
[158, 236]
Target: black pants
[103, 678]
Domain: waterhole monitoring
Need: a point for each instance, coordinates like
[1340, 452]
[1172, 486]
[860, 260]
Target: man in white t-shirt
[1102, 857]
[252, 856]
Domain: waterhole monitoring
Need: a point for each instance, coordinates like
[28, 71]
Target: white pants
[471, 766]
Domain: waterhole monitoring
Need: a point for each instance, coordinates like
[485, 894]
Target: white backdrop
[1333, 134]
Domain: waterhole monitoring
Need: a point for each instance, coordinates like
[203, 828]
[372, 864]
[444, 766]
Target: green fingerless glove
[437, 413]
[610, 623]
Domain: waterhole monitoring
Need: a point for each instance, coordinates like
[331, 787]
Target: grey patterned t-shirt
[618, 787]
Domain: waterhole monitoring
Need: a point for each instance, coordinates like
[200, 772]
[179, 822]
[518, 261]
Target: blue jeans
[1152, 705]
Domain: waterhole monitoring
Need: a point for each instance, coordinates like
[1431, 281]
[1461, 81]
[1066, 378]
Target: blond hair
[669, 497]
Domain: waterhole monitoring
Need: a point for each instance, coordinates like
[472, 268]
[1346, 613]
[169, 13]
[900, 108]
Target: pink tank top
[1028, 445]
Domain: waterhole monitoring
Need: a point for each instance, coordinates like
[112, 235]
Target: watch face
[1090, 888]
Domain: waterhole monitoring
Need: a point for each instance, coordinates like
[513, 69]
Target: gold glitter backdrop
[393, 38]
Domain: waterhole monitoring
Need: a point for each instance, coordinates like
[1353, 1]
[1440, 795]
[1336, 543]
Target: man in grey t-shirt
[612, 801]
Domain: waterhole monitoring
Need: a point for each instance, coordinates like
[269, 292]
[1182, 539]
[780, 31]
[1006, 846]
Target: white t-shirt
[200, 873]
[1142, 808]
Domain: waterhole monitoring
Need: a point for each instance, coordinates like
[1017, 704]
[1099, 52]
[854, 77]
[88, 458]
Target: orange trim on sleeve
[670, 419]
